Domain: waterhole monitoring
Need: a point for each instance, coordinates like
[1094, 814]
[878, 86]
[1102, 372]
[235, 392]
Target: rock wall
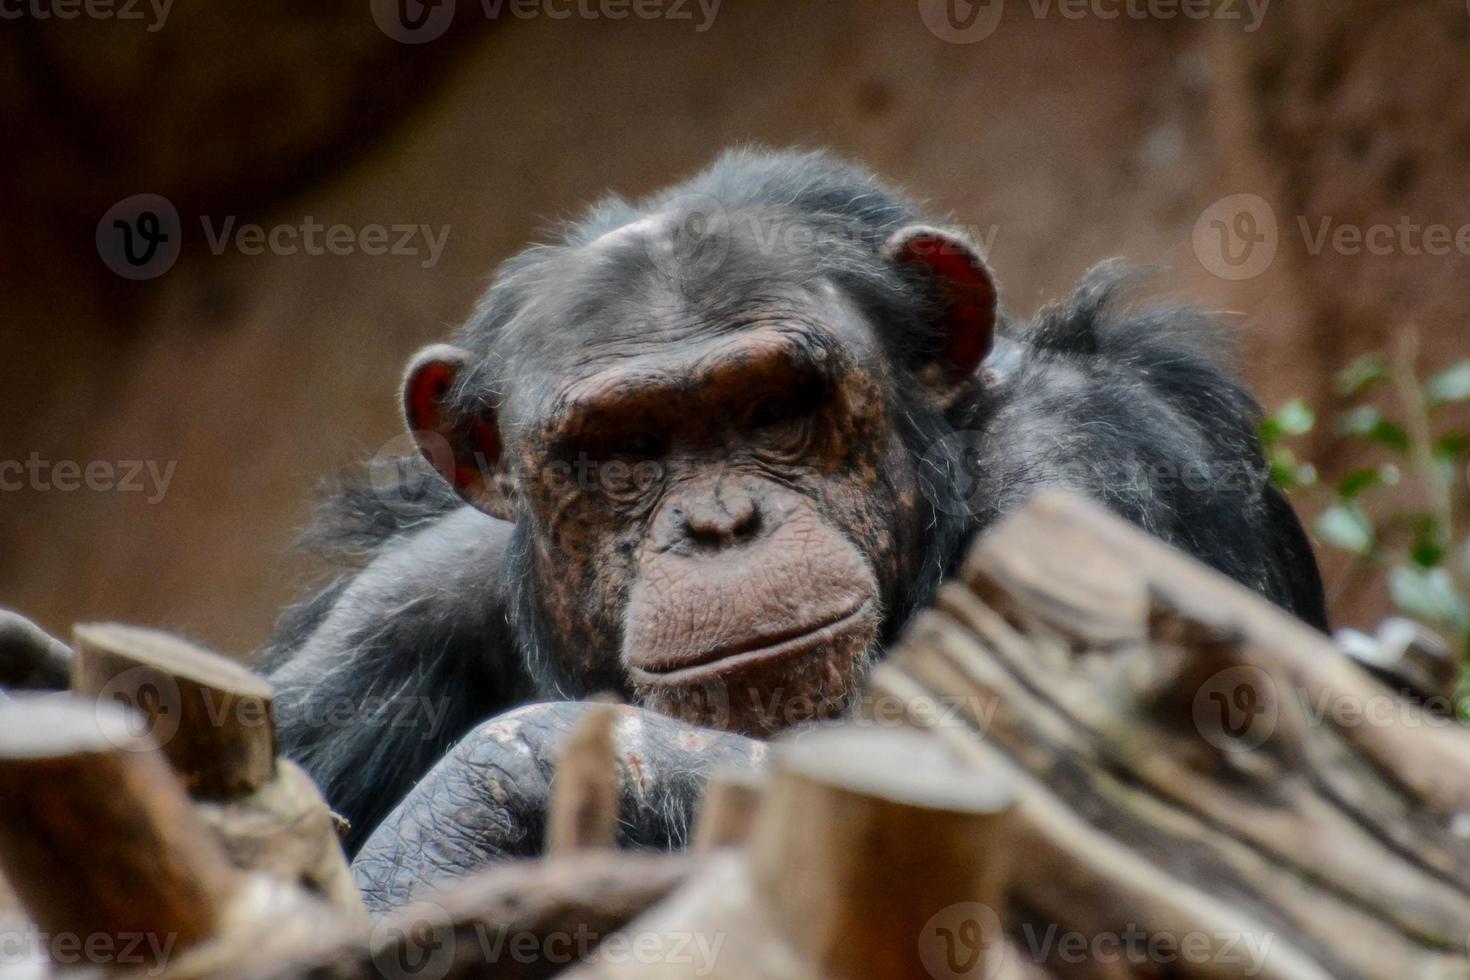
[1064, 142]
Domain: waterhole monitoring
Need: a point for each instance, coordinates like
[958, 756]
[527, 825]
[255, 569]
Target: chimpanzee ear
[965, 286]
[465, 451]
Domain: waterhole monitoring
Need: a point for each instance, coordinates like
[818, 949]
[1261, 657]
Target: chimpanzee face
[719, 510]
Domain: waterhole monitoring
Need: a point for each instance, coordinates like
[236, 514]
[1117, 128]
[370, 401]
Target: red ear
[966, 285]
[466, 452]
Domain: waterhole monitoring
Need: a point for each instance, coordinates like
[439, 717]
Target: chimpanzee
[709, 452]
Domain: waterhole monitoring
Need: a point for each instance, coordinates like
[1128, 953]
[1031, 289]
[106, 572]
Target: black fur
[1093, 395]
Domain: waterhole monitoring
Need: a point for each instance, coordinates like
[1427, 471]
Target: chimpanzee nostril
[727, 516]
[748, 525]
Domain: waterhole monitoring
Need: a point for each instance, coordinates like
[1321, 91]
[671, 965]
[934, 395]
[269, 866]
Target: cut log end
[899, 765]
[172, 654]
[211, 716]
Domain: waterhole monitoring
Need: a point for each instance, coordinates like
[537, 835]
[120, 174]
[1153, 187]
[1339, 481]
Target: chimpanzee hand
[30, 659]
[487, 798]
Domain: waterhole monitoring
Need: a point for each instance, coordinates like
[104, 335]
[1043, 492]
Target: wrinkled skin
[485, 800]
[753, 564]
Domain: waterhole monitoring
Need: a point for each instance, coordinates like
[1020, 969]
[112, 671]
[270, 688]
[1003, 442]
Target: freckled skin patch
[614, 564]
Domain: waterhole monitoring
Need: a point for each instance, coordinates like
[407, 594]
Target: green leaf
[1428, 594]
[1450, 385]
[1296, 417]
[1283, 473]
[1426, 554]
[1358, 481]
[1361, 374]
[1367, 422]
[1450, 446]
[1287, 473]
[1345, 526]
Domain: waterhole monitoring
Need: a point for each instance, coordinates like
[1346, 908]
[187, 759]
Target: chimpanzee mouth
[758, 650]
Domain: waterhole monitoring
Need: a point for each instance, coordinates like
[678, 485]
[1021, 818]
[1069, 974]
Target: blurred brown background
[1073, 139]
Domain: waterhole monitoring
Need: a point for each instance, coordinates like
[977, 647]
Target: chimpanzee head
[707, 416]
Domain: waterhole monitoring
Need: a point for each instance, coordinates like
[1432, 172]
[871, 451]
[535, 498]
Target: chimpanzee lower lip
[730, 660]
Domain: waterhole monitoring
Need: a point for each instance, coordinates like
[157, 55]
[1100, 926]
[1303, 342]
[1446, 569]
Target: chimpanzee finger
[487, 799]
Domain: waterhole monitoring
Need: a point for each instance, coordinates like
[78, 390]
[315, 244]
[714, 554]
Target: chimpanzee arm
[388, 668]
[487, 799]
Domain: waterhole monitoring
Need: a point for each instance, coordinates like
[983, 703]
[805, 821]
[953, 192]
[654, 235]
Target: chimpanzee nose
[727, 515]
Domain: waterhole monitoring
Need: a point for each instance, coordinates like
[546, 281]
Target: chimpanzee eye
[772, 411]
[637, 445]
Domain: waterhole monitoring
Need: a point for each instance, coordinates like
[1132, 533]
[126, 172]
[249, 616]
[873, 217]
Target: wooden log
[525, 920]
[96, 835]
[1406, 653]
[1191, 760]
[211, 716]
[286, 830]
[731, 799]
[845, 810]
[870, 846]
[213, 720]
[583, 813]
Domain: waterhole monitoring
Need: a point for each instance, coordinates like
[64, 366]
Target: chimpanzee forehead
[642, 298]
